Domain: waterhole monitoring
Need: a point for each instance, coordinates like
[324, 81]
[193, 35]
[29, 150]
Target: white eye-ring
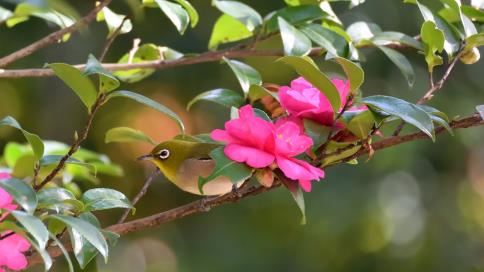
[164, 154]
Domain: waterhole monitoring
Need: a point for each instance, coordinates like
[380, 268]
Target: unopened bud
[470, 56]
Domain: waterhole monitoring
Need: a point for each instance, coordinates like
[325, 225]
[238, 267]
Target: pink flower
[302, 99]
[11, 252]
[260, 143]
[13, 245]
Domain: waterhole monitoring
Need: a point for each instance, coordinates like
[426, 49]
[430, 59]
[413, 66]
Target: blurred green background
[414, 207]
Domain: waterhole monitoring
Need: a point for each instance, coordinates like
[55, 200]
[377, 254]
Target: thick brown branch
[75, 145]
[212, 56]
[53, 37]
[207, 203]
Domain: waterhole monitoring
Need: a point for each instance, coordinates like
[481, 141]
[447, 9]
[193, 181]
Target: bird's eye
[164, 154]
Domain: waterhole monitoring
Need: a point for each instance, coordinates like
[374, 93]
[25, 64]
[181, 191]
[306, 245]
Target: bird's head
[167, 156]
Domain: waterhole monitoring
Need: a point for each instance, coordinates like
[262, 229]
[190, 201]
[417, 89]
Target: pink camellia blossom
[302, 99]
[260, 143]
[12, 246]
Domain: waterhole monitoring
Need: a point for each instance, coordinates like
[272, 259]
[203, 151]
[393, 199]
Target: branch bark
[211, 56]
[207, 203]
[53, 37]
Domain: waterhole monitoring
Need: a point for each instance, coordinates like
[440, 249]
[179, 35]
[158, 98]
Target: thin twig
[207, 203]
[212, 56]
[53, 37]
[76, 144]
[111, 39]
[140, 194]
[433, 88]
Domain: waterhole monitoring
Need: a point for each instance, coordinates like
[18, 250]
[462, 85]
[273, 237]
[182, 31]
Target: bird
[182, 162]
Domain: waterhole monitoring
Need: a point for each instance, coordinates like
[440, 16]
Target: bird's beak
[145, 157]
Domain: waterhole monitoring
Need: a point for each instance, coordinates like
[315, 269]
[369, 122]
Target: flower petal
[300, 83]
[294, 169]
[305, 185]
[253, 157]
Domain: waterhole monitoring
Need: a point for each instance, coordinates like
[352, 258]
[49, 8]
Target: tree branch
[211, 56]
[53, 37]
[207, 203]
[76, 144]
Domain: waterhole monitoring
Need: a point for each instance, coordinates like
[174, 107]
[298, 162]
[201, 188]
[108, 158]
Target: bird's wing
[191, 169]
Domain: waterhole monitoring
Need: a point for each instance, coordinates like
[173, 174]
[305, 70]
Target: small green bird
[183, 162]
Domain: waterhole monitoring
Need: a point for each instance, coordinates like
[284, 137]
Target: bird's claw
[235, 191]
[203, 205]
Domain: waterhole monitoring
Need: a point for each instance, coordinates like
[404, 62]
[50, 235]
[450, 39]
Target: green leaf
[305, 67]
[401, 62]
[474, 41]
[245, 74]
[85, 230]
[192, 12]
[391, 37]
[150, 103]
[480, 110]
[21, 192]
[361, 32]
[237, 172]
[5, 14]
[240, 11]
[318, 133]
[33, 226]
[353, 72]
[469, 28]
[408, 112]
[294, 41]
[126, 135]
[59, 244]
[452, 42]
[107, 82]
[59, 200]
[297, 195]
[144, 53]
[433, 39]
[437, 117]
[42, 252]
[34, 140]
[14, 151]
[103, 199]
[176, 13]
[360, 123]
[262, 114]
[473, 13]
[334, 43]
[301, 2]
[114, 21]
[227, 29]
[298, 15]
[77, 81]
[55, 159]
[257, 92]
[224, 97]
[349, 150]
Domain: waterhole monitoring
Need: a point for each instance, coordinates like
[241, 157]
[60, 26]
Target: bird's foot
[235, 191]
[203, 205]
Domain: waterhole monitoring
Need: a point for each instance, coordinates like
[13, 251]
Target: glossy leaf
[480, 110]
[21, 192]
[107, 82]
[294, 41]
[86, 230]
[176, 13]
[433, 39]
[401, 62]
[34, 140]
[318, 133]
[5, 14]
[391, 37]
[353, 72]
[305, 67]
[76, 81]
[55, 159]
[297, 15]
[59, 244]
[332, 147]
[44, 255]
[126, 135]
[114, 21]
[104, 198]
[227, 29]
[438, 117]
[408, 112]
[192, 12]
[297, 195]
[361, 123]
[257, 92]
[301, 2]
[469, 28]
[360, 32]
[150, 103]
[33, 226]
[224, 97]
[245, 74]
[334, 43]
[240, 11]
[144, 53]
[474, 41]
[226, 167]
[59, 200]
